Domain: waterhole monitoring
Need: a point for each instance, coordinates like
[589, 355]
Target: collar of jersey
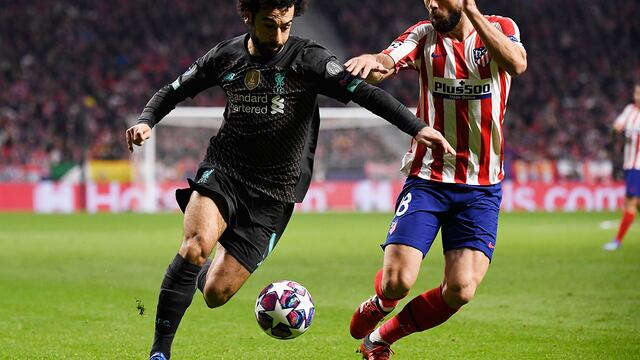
[262, 59]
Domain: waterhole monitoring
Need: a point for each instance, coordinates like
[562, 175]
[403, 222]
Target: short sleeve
[622, 118]
[405, 50]
[509, 28]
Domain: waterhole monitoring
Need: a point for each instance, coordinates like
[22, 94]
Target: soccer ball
[284, 309]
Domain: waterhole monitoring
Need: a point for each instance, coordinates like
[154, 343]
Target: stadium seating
[72, 72]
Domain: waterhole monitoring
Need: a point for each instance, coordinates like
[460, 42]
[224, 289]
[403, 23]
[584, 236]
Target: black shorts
[255, 221]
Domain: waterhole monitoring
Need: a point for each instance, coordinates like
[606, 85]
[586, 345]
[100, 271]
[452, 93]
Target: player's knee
[216, 296]
[397, 285]
[460, 293]
[192, 248]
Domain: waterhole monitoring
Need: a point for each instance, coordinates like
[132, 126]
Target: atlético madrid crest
[393, 226]
[252, 79]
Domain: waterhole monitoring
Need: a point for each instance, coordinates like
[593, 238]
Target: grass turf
[69, 285]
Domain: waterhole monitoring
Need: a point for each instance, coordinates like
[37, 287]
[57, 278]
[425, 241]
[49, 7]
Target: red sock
[627, 220]
[384, 301]
[423, 312]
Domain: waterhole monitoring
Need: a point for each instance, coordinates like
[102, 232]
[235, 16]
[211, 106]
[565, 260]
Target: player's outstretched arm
[433, 139]
[621, 121]
[618, 127]
[509, 55]
[137, 134]
[198, 77]
[386, 106]
[372, 67]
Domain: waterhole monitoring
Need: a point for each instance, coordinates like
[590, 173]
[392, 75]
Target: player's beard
[445, 25]
[265, 50]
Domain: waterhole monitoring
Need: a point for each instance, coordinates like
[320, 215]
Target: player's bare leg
[464, 270]
[392, 283]
[203, 225]
[631, 204]
[400, 270]
[223, 279]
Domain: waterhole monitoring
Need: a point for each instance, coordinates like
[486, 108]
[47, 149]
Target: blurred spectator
[71, 72]
[583, 59]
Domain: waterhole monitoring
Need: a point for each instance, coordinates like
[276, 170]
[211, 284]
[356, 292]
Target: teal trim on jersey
[205, 176]
[353, 84]
[176, 84]
[272, 244]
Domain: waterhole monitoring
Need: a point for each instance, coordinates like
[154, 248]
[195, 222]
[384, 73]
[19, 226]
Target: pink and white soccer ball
[284, 309]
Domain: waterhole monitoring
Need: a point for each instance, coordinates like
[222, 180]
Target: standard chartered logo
[255, 104]
[277, 105]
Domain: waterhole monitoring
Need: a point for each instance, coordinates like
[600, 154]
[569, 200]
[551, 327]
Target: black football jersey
[271, 121]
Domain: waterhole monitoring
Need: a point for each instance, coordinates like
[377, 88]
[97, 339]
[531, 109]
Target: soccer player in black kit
[261, 160]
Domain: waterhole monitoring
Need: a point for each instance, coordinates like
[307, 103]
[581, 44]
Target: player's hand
[618, 127]
[137, 134]
[363, 65]
[433, 139]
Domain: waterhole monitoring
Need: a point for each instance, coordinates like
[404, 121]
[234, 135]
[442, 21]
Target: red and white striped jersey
[463, 94]
[630, 119]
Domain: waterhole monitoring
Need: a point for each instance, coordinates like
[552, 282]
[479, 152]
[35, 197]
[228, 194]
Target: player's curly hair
[255, 5]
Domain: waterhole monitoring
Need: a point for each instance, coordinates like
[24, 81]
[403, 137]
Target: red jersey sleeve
[508, 27]
[407, 48]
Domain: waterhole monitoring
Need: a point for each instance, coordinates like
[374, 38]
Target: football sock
[627, 220]
[386, 304]
[202, 275]
[176, 293]
[421, 313]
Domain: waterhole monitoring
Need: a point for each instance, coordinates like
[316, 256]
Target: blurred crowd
[583, 60]
[72, 72]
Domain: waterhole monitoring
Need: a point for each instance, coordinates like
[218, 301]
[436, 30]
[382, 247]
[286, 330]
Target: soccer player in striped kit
[465, 62]
[629, 123]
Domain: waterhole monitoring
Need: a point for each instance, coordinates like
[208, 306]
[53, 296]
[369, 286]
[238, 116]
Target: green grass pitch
[69, 284]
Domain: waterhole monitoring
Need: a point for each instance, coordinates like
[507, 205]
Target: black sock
[176, 293]
[202, 275]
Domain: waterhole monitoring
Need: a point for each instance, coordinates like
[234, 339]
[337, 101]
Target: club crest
[393, 226]
[252, 79]
[481, 56]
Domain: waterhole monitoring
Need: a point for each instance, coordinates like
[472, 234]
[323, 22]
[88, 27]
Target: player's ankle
[386, 306]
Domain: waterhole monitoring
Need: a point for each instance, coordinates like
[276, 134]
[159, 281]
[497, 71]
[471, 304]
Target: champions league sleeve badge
[187, 74]
[334, 68]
